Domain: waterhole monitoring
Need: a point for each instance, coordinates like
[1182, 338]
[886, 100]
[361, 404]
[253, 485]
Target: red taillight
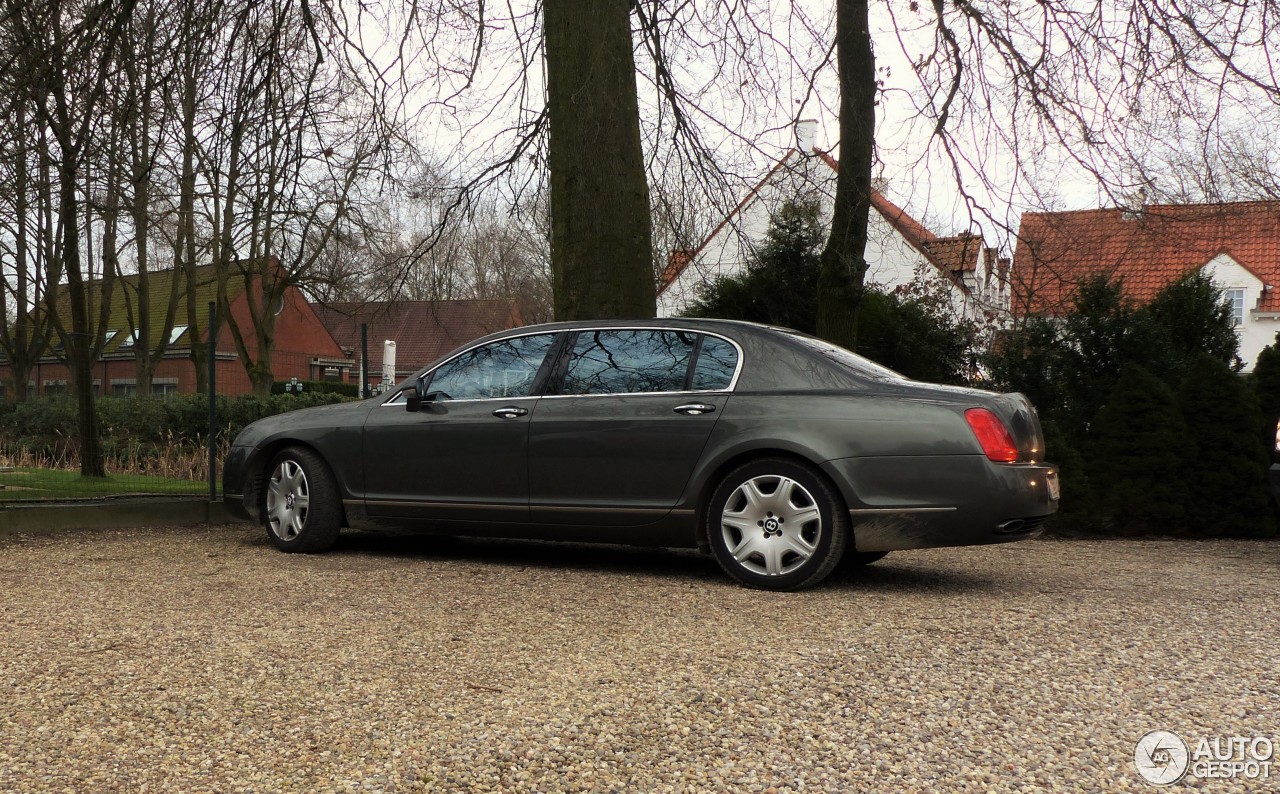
[992, 435]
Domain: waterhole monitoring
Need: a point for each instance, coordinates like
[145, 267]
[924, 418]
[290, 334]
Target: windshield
[862, 366]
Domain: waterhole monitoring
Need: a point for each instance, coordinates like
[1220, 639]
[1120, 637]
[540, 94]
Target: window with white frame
[1235, 299]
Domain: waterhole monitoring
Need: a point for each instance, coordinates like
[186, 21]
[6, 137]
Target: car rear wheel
[303, 512]
[776, 524]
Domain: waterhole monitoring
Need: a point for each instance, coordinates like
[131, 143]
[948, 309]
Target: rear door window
[629, 361]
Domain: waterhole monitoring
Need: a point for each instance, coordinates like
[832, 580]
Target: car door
[617, 443]
[464, 455]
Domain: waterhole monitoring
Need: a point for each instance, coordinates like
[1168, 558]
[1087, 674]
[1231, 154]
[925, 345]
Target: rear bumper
[928, 502]
[1274, 476]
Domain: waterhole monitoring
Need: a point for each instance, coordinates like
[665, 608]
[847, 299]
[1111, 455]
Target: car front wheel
[303, 512]
[777, 524]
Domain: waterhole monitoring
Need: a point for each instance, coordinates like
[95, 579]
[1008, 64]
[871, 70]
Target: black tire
[801, 554]
[863, 558]
[313, 527]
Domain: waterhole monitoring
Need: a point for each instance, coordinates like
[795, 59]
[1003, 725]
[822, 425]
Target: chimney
[806, 132]
[1135, 205]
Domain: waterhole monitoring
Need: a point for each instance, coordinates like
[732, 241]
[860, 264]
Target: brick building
[303, 347]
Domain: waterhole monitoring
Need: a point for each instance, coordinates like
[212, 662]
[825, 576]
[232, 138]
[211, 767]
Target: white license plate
[1055, 490]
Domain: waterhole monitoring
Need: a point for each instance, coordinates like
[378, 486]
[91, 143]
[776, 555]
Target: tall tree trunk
[24, 341]
[601, 235]
[844, 266]
[184, 249]
[78, 342]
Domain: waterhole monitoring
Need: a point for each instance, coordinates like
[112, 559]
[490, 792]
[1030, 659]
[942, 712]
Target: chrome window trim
[733, 382]
[632, 394]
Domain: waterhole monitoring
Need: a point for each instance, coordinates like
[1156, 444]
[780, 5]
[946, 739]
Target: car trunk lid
[1020, 417]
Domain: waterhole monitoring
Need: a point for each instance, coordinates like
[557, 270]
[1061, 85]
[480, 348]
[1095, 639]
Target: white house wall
[1258, 329]
[891, 260]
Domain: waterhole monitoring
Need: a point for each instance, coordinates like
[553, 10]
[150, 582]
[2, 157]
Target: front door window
[498, 370]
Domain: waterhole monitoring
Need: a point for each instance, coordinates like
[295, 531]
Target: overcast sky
[745, 109]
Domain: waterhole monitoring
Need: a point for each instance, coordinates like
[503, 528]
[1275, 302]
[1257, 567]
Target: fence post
[213, 402]
[364, 361]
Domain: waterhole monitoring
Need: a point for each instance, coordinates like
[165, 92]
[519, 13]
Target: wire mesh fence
[163, 438]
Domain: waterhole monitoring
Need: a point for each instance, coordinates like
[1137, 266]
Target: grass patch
[33, 483]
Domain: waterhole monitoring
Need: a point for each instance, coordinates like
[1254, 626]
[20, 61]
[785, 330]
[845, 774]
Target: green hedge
[1152, 426]
[47, 426]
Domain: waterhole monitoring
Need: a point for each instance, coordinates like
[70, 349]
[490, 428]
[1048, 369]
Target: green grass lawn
[25, 484]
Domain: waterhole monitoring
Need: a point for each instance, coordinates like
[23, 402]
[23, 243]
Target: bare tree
[146, 118]
[702, 72]
[295, 140]
[63, 55]
[22, 256]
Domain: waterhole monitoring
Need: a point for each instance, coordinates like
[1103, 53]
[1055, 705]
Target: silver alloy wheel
[771, 525]
[288, 499]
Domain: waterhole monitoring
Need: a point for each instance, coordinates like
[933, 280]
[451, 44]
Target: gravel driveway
[203, 660]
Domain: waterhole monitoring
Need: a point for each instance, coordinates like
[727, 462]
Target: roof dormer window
[1235, 300]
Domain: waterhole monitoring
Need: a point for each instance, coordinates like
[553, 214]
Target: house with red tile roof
[901, 252]
[302, 347]
[422, 330]
[1237, 244]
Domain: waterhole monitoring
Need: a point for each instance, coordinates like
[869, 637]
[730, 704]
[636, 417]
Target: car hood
[336, 415]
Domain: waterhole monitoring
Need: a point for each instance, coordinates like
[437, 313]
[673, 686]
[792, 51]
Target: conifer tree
[1265, 381]
[1225, 484]
[1137, 455]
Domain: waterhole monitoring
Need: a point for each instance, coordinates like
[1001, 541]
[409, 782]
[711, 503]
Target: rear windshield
[851, 361]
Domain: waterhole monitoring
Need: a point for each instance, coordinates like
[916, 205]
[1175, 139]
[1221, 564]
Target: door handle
[694, 409]
[510, 412]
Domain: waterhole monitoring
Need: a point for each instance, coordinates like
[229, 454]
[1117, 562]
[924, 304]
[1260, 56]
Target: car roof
[689, 323]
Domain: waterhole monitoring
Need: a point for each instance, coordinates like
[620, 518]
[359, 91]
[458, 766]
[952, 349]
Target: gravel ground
[202, 660]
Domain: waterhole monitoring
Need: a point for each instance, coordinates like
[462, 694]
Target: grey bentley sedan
[774, 451]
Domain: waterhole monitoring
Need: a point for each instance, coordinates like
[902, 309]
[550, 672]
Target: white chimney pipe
[388, 362]
[806, 132]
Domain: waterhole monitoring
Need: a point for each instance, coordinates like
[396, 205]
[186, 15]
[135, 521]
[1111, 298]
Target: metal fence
[168, 442]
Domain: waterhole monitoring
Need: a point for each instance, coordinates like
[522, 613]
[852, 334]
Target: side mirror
[418, 399]
[415, 397]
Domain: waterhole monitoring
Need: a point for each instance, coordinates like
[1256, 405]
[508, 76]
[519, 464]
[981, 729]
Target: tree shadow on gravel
[887, 576]
[684, 564]
[678, 565]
